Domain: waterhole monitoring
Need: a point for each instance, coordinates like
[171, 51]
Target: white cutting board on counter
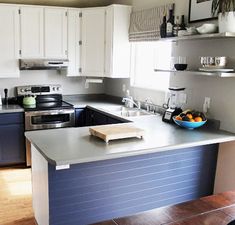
[116, 131]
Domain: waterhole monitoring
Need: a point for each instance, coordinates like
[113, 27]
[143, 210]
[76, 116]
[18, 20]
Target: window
[147, 56]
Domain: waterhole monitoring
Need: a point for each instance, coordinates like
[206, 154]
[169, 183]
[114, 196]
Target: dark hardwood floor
[212, 210]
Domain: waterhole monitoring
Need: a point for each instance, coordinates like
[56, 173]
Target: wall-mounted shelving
[201, 73]
[200, 37]
[226, 35]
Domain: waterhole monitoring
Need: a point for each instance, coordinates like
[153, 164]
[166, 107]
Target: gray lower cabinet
[12, 141]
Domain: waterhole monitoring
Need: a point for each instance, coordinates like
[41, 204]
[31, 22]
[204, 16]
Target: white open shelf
[200, 37]
[202, 73]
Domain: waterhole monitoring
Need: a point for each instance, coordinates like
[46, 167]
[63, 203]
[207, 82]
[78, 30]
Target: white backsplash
[70, 85]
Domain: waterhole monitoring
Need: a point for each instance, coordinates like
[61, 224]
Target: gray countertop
[97, 101]
[10, 109]
[75, 145]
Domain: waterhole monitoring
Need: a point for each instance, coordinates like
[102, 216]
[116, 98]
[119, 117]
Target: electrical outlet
[167, 96]
[207, 102]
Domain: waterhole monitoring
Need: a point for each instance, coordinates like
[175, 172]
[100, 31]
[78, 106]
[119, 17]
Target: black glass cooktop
[48, 106]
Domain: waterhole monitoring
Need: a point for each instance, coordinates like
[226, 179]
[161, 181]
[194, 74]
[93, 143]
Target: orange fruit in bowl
[198, 119]
[189, 115]
[178, 118]
[191, 120]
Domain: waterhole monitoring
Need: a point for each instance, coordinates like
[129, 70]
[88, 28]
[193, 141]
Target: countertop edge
[10, 109]
[136, 152]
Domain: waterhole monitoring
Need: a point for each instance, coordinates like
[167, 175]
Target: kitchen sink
[126, 112]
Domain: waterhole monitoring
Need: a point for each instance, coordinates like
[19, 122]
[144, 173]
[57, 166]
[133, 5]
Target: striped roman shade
[145, 24]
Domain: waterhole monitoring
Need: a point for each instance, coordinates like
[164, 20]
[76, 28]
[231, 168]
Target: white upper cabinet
[31, 32]
[9, 41]
[55, 32]
[93, 42]
[74, 37]
[105, 45]
[117, 62]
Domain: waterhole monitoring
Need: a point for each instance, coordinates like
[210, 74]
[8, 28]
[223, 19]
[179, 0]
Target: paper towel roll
[94, 80]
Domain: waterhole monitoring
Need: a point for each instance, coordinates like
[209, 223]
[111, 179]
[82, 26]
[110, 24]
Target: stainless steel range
[49, 111]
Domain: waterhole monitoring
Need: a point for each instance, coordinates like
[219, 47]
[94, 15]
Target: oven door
[49, 119]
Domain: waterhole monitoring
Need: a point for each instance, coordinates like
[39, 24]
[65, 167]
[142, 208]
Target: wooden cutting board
[116, 131]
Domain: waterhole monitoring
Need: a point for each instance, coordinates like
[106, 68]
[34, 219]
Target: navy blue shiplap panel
[91, 192]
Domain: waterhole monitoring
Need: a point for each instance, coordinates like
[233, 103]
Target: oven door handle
[49, 112]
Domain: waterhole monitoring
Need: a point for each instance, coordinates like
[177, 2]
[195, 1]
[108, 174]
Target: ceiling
[68, 3]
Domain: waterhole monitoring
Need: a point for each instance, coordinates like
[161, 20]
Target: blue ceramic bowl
[189, 125]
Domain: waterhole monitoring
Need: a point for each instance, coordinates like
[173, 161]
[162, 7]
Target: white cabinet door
[73, 43]
[93, 42]
[31, 24]
[55, 33]
[117, 62]
[9, 41]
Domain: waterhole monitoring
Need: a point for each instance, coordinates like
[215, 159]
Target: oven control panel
[39, 89]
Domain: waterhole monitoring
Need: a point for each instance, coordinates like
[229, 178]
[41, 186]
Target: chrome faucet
[129, 103]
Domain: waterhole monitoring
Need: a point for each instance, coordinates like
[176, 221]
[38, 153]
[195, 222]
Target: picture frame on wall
[200, 10]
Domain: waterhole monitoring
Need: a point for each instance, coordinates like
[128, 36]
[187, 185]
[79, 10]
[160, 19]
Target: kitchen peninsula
[79, 179]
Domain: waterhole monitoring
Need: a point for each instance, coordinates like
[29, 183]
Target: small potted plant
[226, 14]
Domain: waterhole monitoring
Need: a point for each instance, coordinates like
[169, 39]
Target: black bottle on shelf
[170, 24]
[163, 28]
[182, 25]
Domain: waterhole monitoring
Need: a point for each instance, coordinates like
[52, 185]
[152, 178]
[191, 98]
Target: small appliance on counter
[29, 101]
[174, 104]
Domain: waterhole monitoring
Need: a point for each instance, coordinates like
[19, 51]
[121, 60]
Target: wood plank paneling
[15, 198]
[91, 192]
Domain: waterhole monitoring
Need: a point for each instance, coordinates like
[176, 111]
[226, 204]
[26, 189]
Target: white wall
[220, 90]
[70, 85]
